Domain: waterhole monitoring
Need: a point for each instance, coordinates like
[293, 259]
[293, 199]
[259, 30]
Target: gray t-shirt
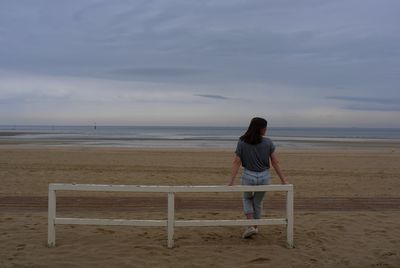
[255, 157]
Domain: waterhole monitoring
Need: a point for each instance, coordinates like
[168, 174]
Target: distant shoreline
[194, 144]
[193, 137]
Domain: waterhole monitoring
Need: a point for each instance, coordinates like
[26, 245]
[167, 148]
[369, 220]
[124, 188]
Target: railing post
[289, 217]
[51, 234]
[171, 219]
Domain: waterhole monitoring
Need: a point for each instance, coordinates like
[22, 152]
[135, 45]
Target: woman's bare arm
[275, 164]
[235, 169]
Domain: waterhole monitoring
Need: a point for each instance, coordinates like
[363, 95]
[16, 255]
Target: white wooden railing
[170, 223]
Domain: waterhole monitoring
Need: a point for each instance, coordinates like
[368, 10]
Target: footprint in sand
[150, 248]
[311, 234]
[388, 254]
[339, 227]
[104, 231]
[145, 235]
[212, 236]
[21, 247]
[260, 260]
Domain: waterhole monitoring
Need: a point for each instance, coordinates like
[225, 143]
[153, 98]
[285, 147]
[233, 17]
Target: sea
[189, 136]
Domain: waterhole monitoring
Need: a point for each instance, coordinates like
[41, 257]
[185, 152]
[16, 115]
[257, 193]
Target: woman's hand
[284, 181]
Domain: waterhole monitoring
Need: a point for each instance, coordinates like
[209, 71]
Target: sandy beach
[360, 229]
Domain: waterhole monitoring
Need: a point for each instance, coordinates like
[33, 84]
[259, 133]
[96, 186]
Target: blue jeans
[253, 201]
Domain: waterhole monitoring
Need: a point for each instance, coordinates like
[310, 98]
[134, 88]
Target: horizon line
[183, 126]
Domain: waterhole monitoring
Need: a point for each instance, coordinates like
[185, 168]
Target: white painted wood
[120, 222]
[198, 223]
[51, 231]
[290, 218]
[171, 219]
[110, 188]
[168, 189]
[170, 223]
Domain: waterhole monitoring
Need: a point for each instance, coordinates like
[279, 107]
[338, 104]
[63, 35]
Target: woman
[254, 152]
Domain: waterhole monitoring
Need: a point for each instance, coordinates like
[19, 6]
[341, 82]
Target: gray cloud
[305, 48]
[360, 107]
[306, 43]
[367, 104]
[211, 96]
[156, 72]
[365, 100]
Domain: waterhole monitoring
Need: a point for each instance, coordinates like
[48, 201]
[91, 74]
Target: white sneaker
[249, 232]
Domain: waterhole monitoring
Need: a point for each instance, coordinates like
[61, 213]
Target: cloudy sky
[211, 62]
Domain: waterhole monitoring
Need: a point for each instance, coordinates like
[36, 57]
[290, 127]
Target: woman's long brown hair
[253, 134]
